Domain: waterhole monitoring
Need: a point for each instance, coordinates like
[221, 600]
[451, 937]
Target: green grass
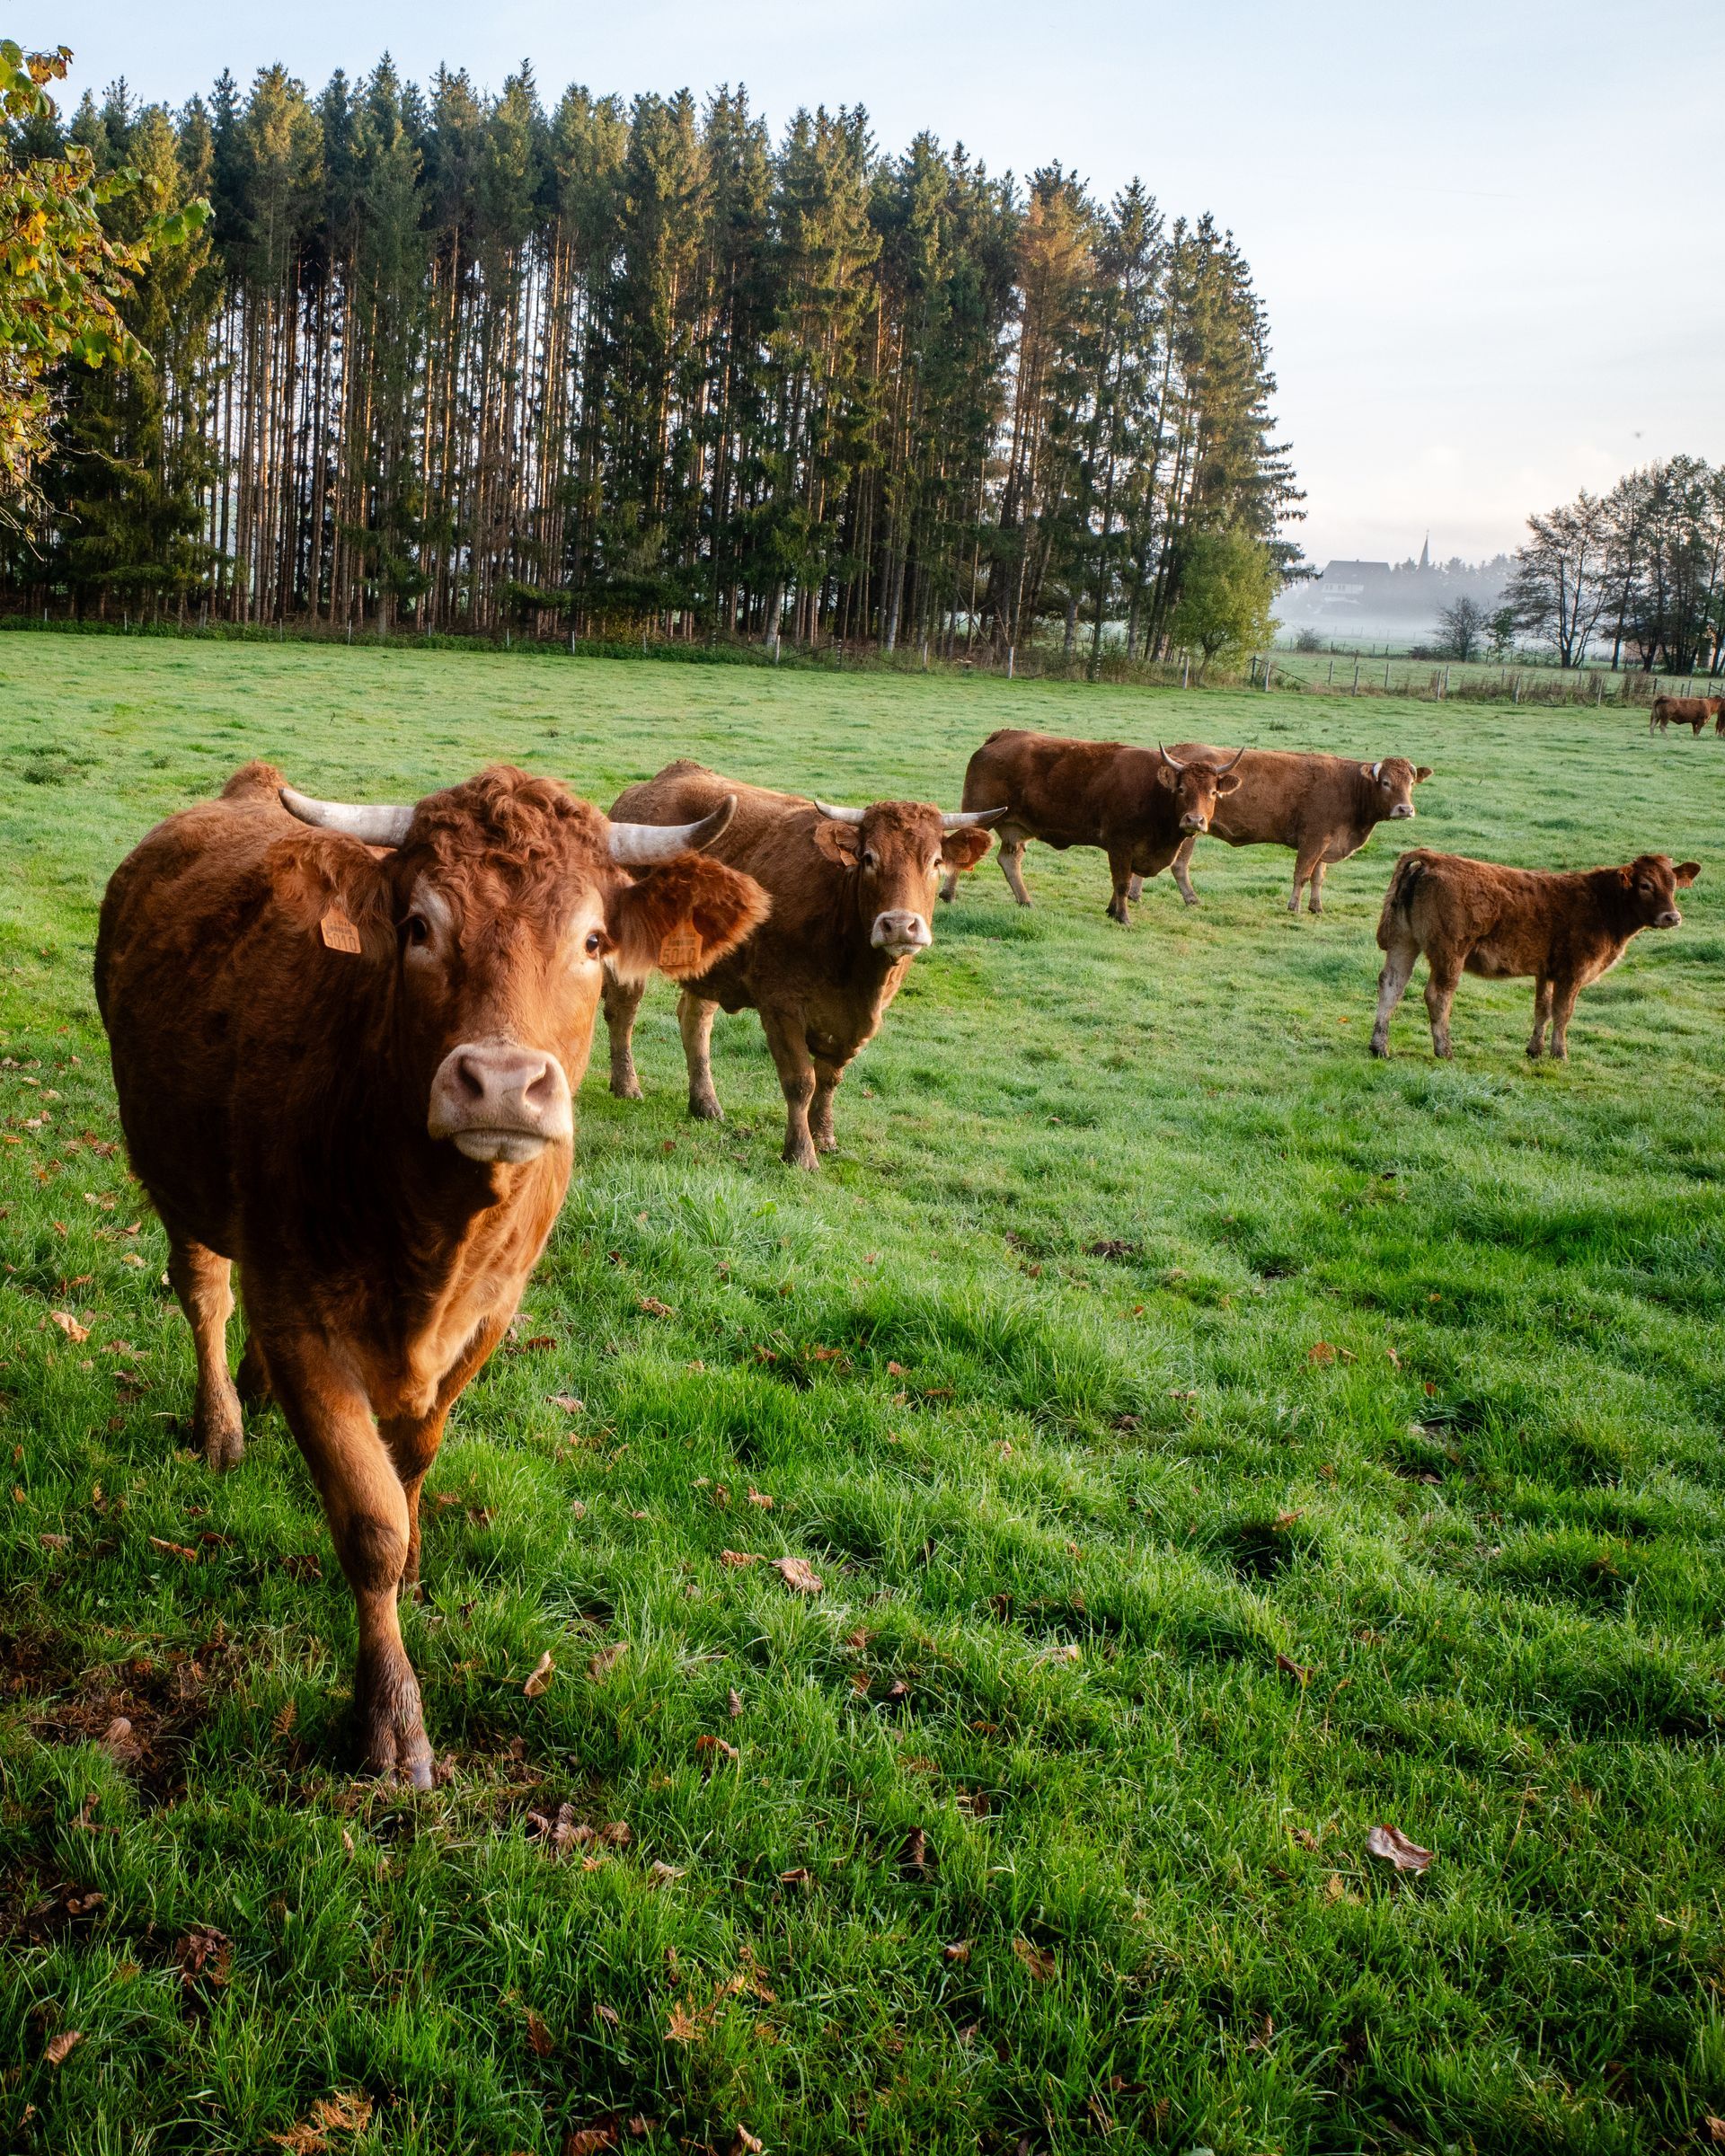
[1142, 1607]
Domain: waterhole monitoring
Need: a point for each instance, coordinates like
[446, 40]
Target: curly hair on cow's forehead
[510, 816]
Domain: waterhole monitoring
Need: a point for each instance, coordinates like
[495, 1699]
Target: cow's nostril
[471, 1078]
[542, 1090]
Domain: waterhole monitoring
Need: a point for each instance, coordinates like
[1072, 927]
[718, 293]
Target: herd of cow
[345, 1039]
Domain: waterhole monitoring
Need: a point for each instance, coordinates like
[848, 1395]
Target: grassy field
[1212, 1445]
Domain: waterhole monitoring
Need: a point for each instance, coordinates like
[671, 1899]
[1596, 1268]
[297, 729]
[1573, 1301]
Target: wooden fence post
[1356, 674]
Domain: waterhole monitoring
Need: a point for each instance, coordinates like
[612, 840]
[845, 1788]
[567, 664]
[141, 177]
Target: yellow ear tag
[339, 933]
[680, 952]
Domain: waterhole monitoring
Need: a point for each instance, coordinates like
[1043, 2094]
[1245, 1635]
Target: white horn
[1377, 769]
[379, 824]
[957, 820]
[1174, 763]
[1231, 761]
[841, 816]
[636, 845]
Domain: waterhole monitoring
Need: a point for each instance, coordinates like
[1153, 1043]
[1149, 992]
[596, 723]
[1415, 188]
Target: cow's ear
[1166, 776]
[842, 843]
[1369, 771]
[1228, 783]
[1685, 873]
[683, 917]
[332, 887]
[1421, 775]
[965, 847]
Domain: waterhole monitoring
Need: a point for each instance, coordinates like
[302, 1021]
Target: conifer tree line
[446, 360]
[1638, 571]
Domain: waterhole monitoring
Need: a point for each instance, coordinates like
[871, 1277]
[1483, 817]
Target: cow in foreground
[850, 890]
[1693, 711]
[1138, 804]
[1325, 807]
[344, 1040]
[1563, 931]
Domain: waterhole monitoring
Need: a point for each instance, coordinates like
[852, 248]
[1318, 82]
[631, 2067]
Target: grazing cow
[1325, 807]
[850, 890]
[1693, 711]
[1138, 804]
[1475, 917]
[344, 1040]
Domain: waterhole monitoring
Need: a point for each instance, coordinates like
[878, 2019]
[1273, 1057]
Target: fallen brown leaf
[59, 2049]
[760, 1497]
[75, 1333]
[539, 1683]
[800, 1876]
[1394, 1847]
[348, 2111]
[959, 1950]
[618, 1834]
[738, 1557]
[588, 2141]
[681, 2027]
[1290, 1668]
[567, 1403]
[747, 2143]
[734, 1703]
[798, 1574]
[541, 2038]
[174, 1549]
[606, 1659]
[1322, 1353]
[654, 1308]
[716, 1745]
[1035, 1959]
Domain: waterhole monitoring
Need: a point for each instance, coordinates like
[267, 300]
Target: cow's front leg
[1392, 986]
[694, 1017]
[1183, 869]
[621, 1002]
[1119, 866]
[202, 1282]
[829, 1078]
[787, 1037]
[1305, 868]
[1011, 867]
[1564, 993]
[366, 1505]
[949, 887]
[1542, 1017]
[412, 1440]
[1441, 982]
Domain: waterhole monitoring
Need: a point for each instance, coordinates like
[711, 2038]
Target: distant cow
[850, 892]
[1325, 807]
[1475, 917]
[1138, 804]
[344, 1040]
[1693, 711]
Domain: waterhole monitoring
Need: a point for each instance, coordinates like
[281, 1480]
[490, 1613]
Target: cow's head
[1395, 779]
[895, 852]
[1651, 883]
[1198, 786]
[488, 914]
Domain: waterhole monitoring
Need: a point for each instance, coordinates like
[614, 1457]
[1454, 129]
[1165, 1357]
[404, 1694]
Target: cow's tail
[1404, 879]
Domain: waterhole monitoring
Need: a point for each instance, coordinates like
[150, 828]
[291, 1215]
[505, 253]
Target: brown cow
[1325, 807]
[348, 1071]
[1693, 711]
[1475, 917]
[1138, 804]
[850, 890]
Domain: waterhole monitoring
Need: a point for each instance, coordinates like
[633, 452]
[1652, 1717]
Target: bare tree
[1560, 585]
[1463, 624]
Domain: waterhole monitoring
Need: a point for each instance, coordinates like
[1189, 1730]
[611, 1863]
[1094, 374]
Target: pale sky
[1488, 235]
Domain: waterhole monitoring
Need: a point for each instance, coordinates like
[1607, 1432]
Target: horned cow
[344, 1040]
[850, 890]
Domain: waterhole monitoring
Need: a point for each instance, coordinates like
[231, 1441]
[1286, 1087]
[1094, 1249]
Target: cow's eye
[417, 930]
[868, 861]
[594, 942]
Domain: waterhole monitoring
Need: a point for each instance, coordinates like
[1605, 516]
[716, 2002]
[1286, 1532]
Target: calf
[344, 1040]
[1476, 916]
[850, 892]
[1138, 804]
[1325, 807]
[1693, 711]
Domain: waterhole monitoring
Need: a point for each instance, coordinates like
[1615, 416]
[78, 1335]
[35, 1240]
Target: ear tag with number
[339, 933]
[680, 952]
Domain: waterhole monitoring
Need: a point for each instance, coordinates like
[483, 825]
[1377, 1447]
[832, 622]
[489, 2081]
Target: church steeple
[1425, 553]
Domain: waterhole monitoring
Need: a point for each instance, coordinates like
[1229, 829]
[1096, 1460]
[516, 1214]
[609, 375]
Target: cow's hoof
[705, 1108]
[222, 1442]
[393, 1747]
[1381, 1049]
[626, 1089]
[1444, 1055]
[1185, 901]
[806, 1158]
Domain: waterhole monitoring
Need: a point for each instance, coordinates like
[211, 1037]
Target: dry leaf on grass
[738, 1557]
[606, 1659]
[716, 1746]
[959, 1950]
[661, 1873]
[348, 2111]
[567, 1403]
[681, 2027]
[588, 2141]
[1322, 1353]
[734, 1703]
[541, 2038]
[799, 1575]
[654, 1308]
[800, 1876]
[747, 2143]
[760, 1497]
[539, 1683]
[59, 2048]
[75, 1333]
[1290, 1668]
[1394, 1847]
[1715, 2130]
[174, 1549]
[1035, 1959]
